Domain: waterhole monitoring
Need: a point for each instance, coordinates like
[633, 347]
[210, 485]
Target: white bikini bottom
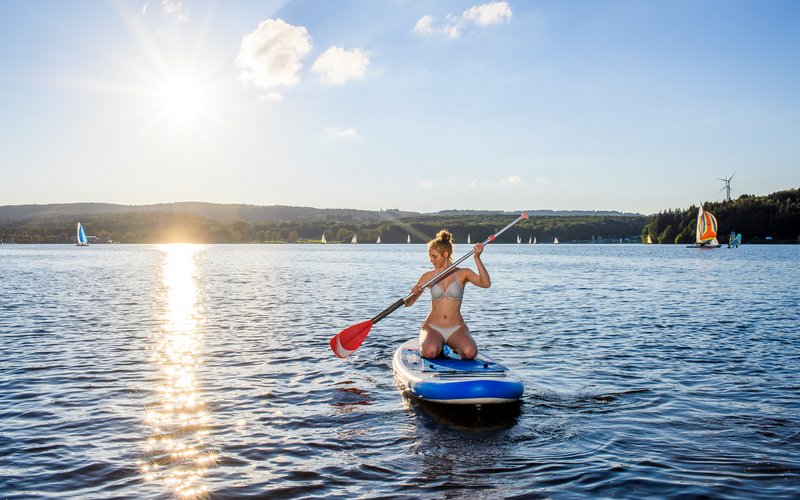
[445, 331]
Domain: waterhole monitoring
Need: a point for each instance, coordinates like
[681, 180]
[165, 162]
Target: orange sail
[706, 226]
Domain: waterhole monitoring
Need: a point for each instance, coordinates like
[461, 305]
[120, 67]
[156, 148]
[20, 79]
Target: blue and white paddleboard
[449, 379]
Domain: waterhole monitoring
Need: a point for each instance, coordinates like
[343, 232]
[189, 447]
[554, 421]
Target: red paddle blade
[349, 339]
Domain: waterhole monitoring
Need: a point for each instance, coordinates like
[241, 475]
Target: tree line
[171, 227]
[775, 218]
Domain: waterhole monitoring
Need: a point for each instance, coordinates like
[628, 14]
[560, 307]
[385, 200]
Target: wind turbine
[728, 185]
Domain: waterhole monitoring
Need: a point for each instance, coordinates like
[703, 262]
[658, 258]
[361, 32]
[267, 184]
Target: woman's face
[437, 259]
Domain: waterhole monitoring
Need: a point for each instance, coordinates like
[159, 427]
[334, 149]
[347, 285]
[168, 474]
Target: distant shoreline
[771, 219]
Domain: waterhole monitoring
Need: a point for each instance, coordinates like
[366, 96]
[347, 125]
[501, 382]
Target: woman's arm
[417, 290]
[482, 279]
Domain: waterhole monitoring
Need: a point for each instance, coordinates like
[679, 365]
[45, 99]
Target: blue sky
[636, 106]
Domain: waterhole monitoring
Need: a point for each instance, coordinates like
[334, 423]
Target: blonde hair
[443, 243]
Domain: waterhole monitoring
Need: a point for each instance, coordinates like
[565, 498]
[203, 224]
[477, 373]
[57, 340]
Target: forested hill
[213, 223]
[772, 218]
[224, 213]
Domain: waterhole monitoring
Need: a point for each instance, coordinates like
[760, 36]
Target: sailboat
[408, 240]
[530, 240]
[534, 240]
[468, 242]
[649, 240]
[354, 240]
[555, 240]
[80, 239]
[323, 240]
[379, 239]
[518, 239]
[706, 232]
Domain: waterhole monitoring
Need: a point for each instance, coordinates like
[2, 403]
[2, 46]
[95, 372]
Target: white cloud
[426, 184]
[511, 179]
[175, 8]
[272, 55]
[271, 97]
[425, 26]
[347, 133]
[336, 66]
[488, 14]
[479, 15]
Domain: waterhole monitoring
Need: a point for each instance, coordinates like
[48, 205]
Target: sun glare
[182, 98]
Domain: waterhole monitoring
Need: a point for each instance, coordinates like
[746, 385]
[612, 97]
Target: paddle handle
[389, 310]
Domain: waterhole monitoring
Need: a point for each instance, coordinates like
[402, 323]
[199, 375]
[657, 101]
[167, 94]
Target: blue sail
[82, 240]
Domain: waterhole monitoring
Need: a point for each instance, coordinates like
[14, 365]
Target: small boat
[451, 380]
[555, 241]
[649, 240]
[408, 240]
[323, 240]
[519, 240]
[80, 239]
[530, 240]
[354, 240]
[734, 240]
[706, 231]
[379, 240]
[534, 240]
[468, 241]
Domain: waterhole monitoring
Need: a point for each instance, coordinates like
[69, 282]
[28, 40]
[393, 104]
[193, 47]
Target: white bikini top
[454, 291]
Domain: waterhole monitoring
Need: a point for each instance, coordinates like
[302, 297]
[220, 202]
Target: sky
[635, 106]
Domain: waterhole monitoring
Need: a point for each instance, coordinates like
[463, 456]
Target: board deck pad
[451, 363]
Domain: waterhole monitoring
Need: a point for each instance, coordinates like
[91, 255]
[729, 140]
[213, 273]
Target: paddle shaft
[392, 308]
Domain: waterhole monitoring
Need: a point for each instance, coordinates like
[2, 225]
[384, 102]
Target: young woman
[444, 324]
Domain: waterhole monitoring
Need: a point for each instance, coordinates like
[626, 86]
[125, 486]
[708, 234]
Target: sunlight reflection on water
[175, 451]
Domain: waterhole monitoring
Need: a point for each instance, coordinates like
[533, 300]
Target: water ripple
[193, 371]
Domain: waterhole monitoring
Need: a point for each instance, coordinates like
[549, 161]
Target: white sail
[409, 239]
[323, 239]
[534, 240]
[530, 240]
[355, 239]
[379, 240]
[649, 240]
[518, 239]
[698, 227]
[80, 239]
[555, 241]
[468, 242]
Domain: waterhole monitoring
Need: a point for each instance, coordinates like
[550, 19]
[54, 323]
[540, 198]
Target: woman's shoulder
[428, 275]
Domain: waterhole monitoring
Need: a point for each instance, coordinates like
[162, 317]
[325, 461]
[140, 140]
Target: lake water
[180, 370]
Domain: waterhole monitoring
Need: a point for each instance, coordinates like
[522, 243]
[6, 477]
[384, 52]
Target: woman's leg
[463, 343]
[431, 342]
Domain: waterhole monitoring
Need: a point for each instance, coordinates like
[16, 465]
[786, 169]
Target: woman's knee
[468, 351]
[430, 351]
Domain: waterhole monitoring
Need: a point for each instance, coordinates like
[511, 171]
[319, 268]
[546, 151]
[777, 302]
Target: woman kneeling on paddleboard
[444, 324]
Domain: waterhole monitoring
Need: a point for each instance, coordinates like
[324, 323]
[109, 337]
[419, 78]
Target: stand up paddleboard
[449, 379]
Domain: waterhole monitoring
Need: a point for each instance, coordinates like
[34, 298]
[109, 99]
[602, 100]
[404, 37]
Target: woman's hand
[478, 249]
[416, 290]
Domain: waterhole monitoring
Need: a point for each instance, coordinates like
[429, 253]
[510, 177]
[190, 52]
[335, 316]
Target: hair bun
[445, 236]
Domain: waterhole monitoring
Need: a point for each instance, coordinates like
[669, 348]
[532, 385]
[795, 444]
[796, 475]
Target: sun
[182, 98]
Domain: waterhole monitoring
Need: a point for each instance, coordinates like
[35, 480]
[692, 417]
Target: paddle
[348, 340]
